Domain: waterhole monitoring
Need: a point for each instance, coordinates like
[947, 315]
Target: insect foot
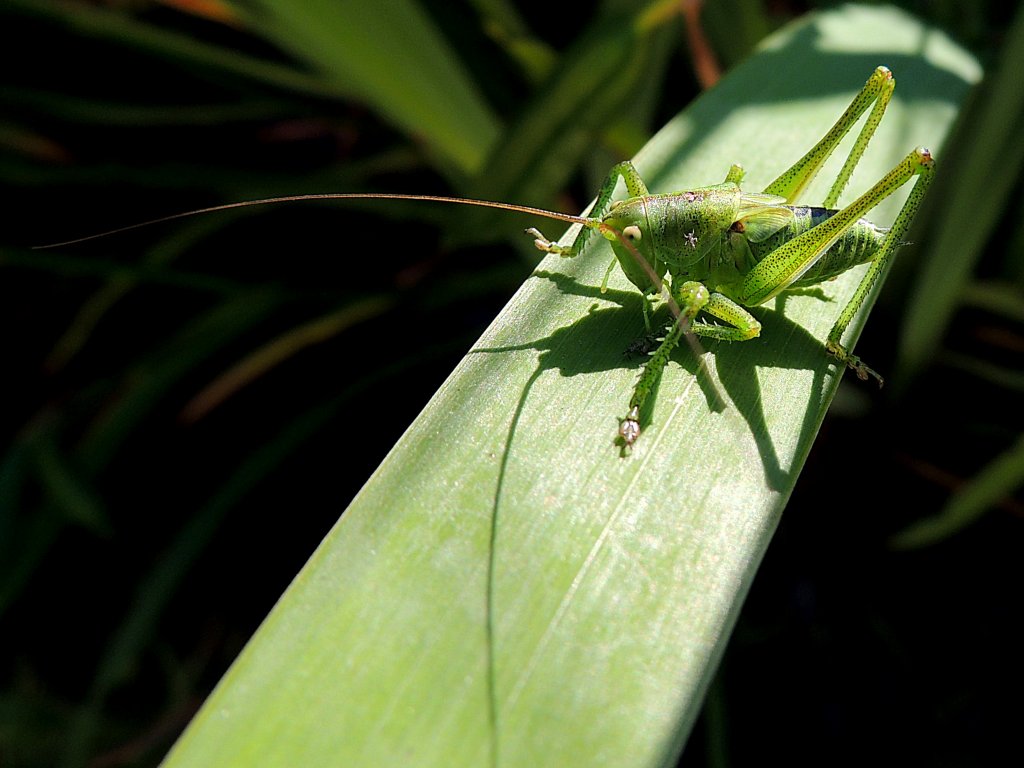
[629, 428]
[854, 363]
[543, 244]
[645, 345]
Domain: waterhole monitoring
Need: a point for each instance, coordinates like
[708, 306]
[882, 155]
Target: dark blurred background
[191, 404]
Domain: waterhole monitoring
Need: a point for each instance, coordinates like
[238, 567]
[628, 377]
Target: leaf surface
[506, 590]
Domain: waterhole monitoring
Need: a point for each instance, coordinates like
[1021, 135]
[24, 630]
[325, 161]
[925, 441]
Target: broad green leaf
[506, 590]
[391, 55]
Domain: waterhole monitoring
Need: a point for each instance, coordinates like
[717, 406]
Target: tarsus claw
[629, 429]
[854, 363]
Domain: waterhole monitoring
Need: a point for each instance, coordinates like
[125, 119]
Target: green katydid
[717, 249]
[712, 251]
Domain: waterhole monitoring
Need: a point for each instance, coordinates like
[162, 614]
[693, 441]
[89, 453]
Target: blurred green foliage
[166, 386]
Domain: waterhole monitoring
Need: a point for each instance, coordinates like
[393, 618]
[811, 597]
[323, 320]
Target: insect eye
[633, 233]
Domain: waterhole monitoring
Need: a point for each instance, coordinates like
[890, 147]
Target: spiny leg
[894, 238]
[691, 297]
[780, 268]
[634, 186]
[742, 326]
[783, 266]
[876, 91]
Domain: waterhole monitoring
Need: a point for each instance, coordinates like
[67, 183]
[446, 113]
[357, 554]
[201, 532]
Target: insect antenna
[593, 223]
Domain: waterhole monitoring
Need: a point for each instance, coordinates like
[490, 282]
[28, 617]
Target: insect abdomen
[858, 245]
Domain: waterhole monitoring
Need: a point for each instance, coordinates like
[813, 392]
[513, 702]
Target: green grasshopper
[710, 252]
[716, 250]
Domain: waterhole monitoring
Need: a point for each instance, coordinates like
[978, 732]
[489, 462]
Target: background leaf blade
[505, 588]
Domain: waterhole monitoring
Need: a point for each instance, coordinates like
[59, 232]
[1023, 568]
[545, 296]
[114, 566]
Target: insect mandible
[712, 252]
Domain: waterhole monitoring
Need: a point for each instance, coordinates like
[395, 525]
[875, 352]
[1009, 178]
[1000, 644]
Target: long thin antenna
[331, 196]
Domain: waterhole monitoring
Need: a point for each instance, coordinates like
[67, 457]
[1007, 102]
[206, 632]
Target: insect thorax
[678, 233]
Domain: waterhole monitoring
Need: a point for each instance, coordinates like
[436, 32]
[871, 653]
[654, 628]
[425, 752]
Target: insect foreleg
[634, 186]
[876, 91]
